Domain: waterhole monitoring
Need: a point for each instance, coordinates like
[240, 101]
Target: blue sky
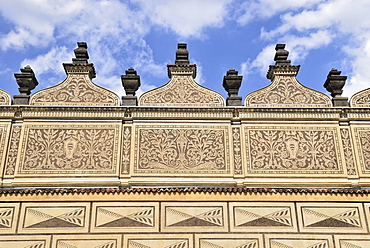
[221, 34]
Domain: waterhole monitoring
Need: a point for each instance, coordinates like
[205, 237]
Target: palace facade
[181, 166]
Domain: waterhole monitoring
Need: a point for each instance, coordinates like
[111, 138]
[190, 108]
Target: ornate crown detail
[77, 89]
[5, 98]
[361, 99]
[285, 90]
[182, 90]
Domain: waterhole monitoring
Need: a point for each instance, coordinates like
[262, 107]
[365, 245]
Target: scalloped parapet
[361, 99]
[286, 91]
[182, 91]
[5, 98]
[76, 90]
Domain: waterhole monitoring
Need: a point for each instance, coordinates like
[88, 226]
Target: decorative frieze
[348, 151]
[11, 160]
[182, 90]
[182, 149]
[126, 149]
[69, 149]
[293, 149]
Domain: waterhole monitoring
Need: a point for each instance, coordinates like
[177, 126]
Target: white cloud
[186, 18]
[264, 9]
[49, 62]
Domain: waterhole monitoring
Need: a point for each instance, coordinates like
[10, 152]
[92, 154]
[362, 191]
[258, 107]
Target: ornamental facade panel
[286, 91]
[293, 149]
[362, 135]
[182, 149]
[75, 148]
[361, 99]
[54, 218]
[75, 90]
[180, 91]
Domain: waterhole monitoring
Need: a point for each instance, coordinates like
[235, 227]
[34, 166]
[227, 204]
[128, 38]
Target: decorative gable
[361, 99]
[182, 90]
[5, 98]
[77, 89]
[285, 90]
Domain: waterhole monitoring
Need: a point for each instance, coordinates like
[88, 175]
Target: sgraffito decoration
[5, 98]
[181, 91]
[4, 130]
[54, 218]
[293, 150]
[125, 217]
[298, 241]
[331, 218]
[348, 151]
[262, 217]
[158, 241]
[126, 150]
[182, 149]
[286, 91]
[190, 217]
[238, 169]
[362, 137]
[69, 149]
[76, 90]
[13, 150]
[361, 99]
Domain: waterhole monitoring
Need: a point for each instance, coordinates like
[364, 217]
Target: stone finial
[182, 55]
[81, 54]
[281, 55]
[232, 84]
[334, 84]
[131, 83]
[27, 81]
[182, 65]
[282, 64]
[80, 64]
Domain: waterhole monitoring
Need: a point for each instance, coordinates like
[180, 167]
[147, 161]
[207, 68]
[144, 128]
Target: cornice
[173, 113]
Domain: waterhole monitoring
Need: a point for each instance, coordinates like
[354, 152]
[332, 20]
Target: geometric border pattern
[124, 217]
[331, 217]
[54, 217]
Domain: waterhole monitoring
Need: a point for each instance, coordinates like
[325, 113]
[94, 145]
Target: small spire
[181, 65]
[334, 84]
[282, 64]
[80, 63]
[131, 83]
[281, 55]
[182, 55]
[81, 54]
[232, 84]
[27, 81]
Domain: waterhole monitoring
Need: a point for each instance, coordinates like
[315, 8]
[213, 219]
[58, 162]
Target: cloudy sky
[221, 34]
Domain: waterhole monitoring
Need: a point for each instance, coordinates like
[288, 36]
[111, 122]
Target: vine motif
[364, 138]
[69, 151]
[237, 151]
[4, 98]
[126, 150]
[303, 151]
[287, 92]
[362, 99]
[13, 151]
[182, 151]
[182, 91]
[348, 153]
[76, 91]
